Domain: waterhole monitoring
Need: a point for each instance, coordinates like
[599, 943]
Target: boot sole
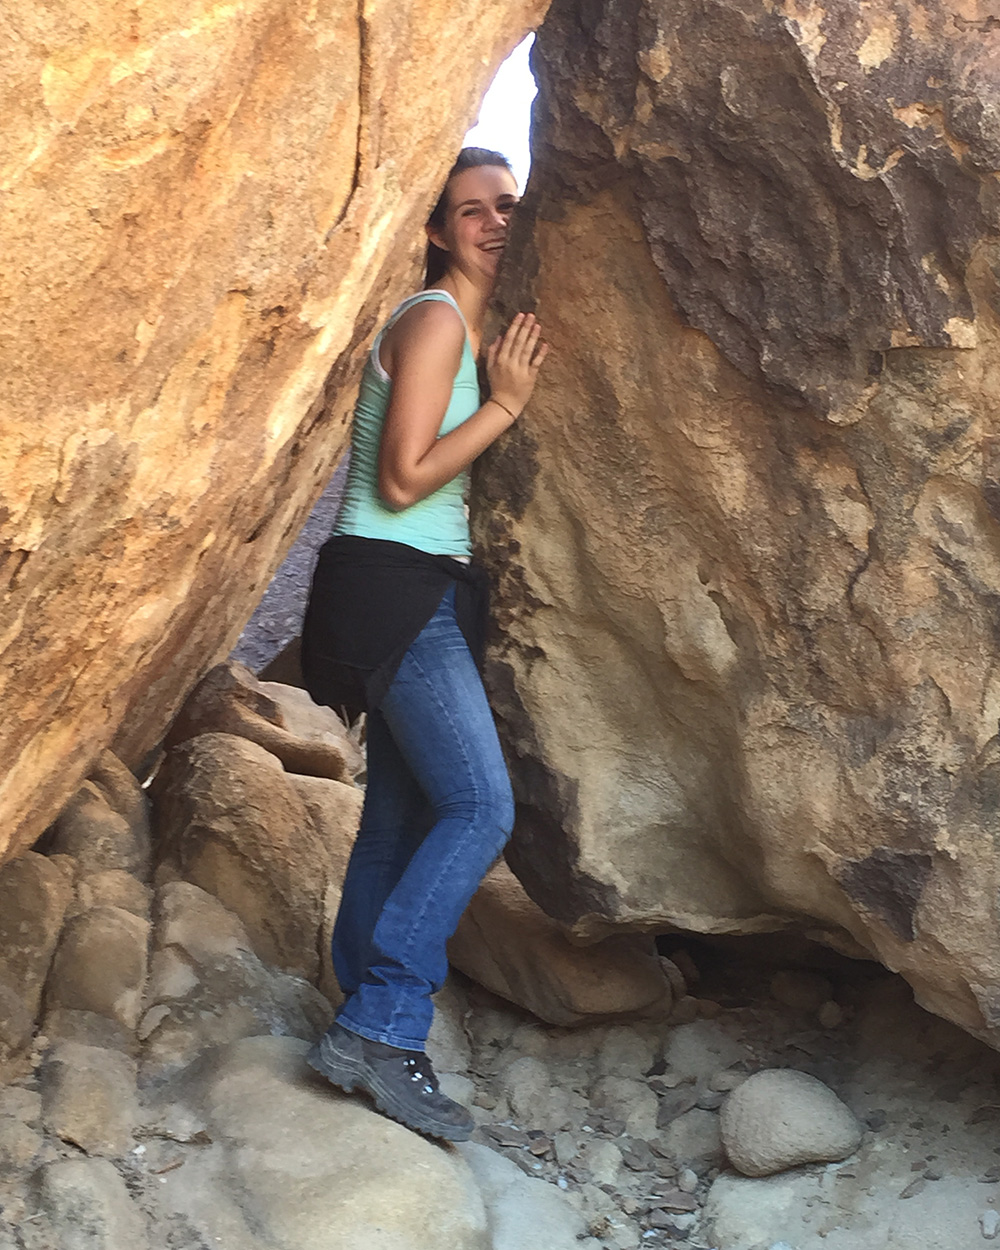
[349, 1075]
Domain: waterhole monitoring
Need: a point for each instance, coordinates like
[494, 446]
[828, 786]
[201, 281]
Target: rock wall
[206, 208]
[747, 538]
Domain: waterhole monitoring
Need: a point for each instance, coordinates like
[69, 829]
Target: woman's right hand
[512, 363]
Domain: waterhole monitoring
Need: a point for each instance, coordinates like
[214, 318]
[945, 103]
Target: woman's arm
[422, 360]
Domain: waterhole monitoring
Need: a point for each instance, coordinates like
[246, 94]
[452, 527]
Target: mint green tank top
[438, 524]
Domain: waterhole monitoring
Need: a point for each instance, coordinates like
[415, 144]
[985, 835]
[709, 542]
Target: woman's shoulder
[432, 307]
[426, 318]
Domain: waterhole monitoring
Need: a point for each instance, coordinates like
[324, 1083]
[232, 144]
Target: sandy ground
[619, 1114]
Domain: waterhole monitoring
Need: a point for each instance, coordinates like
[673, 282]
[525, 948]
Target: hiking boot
[401, 1082]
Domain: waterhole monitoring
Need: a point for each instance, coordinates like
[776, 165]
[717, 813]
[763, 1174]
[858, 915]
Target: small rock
[915, 1187]
[566, 1148]
[876, 1120]
[674, 1105]
[508, 1135]
[629, 1100]
[675, 1200]
[685, 1011]
[98, 836]
[638, 1157]
[16, 1022]
[687, 1180]
[21, 1104]
[527, 1085]
[90, 1099]
[710, 1100]
[34, 895]
[603, 1160]
[989, 1222]
[198, 924]
[100, 965]
[694, 1138]
[114, 887]
[802, 991]
[19, 1145]
[89, 1207]
[780, 1118]
[726, 1080]
[686, 965]
[709, 1009]
[830, 1015]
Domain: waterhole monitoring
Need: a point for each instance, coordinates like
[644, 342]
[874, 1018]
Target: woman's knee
[488, 805]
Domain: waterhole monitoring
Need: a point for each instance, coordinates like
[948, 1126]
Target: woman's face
[480, 202]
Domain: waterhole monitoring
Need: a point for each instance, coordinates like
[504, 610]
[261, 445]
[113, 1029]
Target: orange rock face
[206, 209]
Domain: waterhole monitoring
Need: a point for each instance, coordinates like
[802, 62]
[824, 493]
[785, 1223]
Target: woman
[395, 627]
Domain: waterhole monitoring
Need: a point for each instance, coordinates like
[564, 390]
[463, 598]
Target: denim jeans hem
[376, 1035]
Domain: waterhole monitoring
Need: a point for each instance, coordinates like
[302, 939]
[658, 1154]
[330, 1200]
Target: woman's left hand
[513, 360]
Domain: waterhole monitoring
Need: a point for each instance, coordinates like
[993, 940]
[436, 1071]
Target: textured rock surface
[746, 536]
[507, 943]
[206, 208]
[88, 1207]
[100, 965]
[779, 1119]
[89, 1098]
[306, 738]
[231, 821]
[304, 1165]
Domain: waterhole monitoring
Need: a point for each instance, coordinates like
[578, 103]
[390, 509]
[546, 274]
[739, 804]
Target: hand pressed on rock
[512, 363]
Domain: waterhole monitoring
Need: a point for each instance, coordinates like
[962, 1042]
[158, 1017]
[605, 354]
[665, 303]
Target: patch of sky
[504, 122]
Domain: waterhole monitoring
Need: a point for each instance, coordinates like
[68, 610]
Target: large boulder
[294, 1162]
[746, 537]
[507, 943]
[206, 210]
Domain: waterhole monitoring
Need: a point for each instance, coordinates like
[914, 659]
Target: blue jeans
[437, 812]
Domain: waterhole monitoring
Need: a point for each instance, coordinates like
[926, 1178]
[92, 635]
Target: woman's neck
[471, 298]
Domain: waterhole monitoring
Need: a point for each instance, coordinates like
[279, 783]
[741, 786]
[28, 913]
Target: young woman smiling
[395, 626]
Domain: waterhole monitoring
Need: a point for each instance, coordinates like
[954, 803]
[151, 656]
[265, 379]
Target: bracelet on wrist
[512, 415]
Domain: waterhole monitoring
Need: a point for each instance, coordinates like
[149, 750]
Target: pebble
[830, 1015]
[566, 1148]
[989, 1222]
[689, 969]
[687, 1180]
[726, 1080]
[685, 1011]
[802, 991]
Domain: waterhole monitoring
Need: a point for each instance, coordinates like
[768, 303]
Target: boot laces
[413, 1065]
